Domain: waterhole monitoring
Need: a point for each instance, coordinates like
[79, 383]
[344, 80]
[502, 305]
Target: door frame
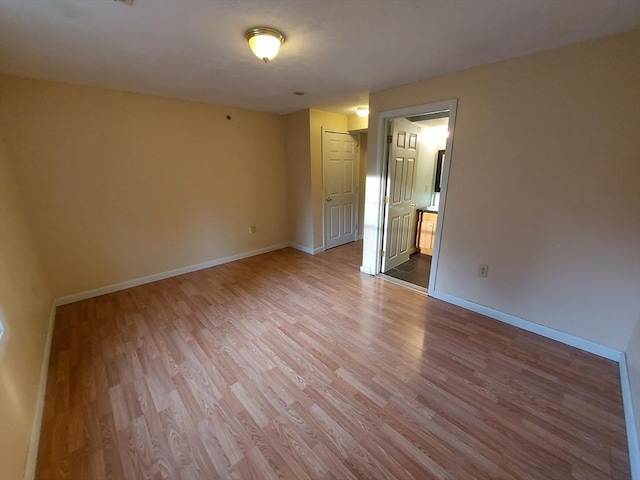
[357, 181]
[377, 178]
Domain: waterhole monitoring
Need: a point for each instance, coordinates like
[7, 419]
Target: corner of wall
[25, 308]
[318, 120]
[630, 381]
[34, 442]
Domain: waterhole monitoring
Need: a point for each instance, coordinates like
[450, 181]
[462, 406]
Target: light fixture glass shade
[362, 111]
[264, 42]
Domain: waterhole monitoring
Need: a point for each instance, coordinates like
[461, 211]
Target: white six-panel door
[340, 163]
[400, 205]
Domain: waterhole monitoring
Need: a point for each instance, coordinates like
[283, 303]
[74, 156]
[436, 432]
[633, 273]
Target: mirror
[439, 163]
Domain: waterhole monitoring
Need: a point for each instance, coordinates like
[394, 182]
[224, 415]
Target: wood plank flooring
[291, 366]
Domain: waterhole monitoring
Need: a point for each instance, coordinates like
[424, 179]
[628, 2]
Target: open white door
[400, 206]
[340, 162]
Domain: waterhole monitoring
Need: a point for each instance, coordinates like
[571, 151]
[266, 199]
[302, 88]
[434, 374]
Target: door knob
[328, 199]
[413, 205]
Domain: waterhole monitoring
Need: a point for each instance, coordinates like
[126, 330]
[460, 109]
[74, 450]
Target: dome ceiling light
[264, 42]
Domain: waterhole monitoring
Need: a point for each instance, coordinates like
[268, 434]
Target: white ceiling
[337, 51]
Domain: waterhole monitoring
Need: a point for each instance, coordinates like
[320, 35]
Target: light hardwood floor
[291, 366]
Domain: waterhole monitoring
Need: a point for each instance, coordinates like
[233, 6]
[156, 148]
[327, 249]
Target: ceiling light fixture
[264, 42]
[362, 111]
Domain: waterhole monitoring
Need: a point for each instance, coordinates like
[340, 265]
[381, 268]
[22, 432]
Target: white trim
[530, 326]
[334, 130]
[310, 251]
[382, 159]
[591, 347]
[302, 248]
[633, 438]
[403, 283]
[36, 427]
[76, 297]
[442, 204]
[629, 419]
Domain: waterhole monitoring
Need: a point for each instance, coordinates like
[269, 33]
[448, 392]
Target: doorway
[412, 236]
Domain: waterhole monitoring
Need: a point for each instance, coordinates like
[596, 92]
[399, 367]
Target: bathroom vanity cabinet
[426, 231]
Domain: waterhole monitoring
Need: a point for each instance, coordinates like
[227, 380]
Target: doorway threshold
[402, 283]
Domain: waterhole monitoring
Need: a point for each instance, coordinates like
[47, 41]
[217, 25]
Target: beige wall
[305, 175]
[318, 120]
[120, 186]
[431, 141]
[363, 180]
[298, 156]
[544, 186]
[25, 303]
[357, 124]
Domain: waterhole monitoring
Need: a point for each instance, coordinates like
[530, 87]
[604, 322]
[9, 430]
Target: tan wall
[25, 303]
[318, 120]
[298, 155]
[121, 186]
[544, 186]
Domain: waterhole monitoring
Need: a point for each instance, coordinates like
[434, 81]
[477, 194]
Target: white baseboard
[76, 297]
[397, 281]
[530, 326]
[627, 401]
[32, 453]
[302, 248]
[591, 347]
[310, 251]
[629, 419]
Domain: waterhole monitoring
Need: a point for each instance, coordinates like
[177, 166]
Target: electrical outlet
[251, 229]
[483, 271]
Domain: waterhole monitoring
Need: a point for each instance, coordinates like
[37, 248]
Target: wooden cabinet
[426, 232]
